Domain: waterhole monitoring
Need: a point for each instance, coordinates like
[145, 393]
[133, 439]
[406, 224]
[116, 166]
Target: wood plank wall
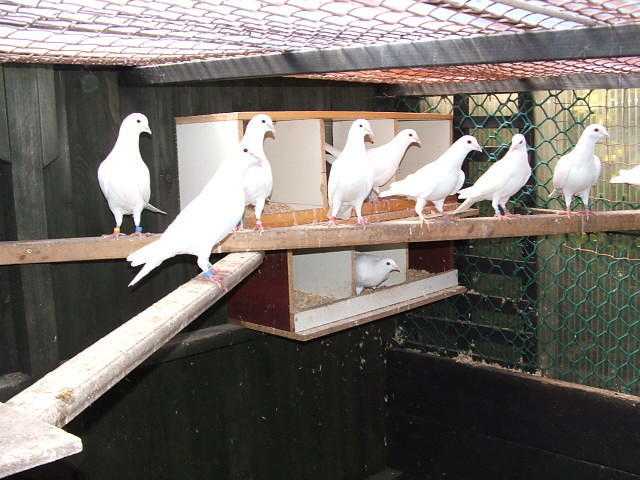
[268, 408]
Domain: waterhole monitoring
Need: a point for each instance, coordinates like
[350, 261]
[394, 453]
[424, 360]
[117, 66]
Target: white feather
[372, 270]
[631, 176]
[438, 179]
[204, 222]
[123, 176]
[502, 180]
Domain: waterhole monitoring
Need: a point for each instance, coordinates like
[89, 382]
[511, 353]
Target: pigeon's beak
[417, 141]
[147, 130]
[478, 148]
[395, 269]
[606, 134]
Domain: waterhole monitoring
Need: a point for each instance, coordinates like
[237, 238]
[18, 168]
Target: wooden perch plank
[26, 442]
[323, 236]
[66, 391]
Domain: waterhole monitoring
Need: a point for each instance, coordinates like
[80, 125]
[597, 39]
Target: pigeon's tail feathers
[621, 177]
[465, 193]
[394, 189]
[331, 150]
[386, 193]
[464, 206]
[146, 253]
[144, 271]
[151, 208]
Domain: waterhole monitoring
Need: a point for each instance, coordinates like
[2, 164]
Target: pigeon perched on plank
[205, 221]
[372, 270]
[351, 177]
[579, 170]
[386, 158]
[501, 181]
[631, 176]
[258, 181]
[436, 180]
[124, 177]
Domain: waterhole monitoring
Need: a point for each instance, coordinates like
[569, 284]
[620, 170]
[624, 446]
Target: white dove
[501, 181]
[258, 181]
[204, 222]
[386, 158]
[436, 180]
[631, 176]
[372, 270]
[577, 171]
[351, 177]
[124, 177]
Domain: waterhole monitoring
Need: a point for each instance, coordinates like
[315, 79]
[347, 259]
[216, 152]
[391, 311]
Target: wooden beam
[574, 44]
[27, 442]
[565, 82]
[323, 236]
[66, 391]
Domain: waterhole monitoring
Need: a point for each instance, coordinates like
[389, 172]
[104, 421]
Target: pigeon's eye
[138, 120]
[596, 129]
[264, 121]
[245, 150]
[469, 142]
[411, 134]
[388, 263]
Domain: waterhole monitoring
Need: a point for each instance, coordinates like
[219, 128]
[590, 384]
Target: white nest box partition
[321, 283]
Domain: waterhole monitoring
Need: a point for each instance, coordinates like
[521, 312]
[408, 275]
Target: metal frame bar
[580, 43]
[565, 82]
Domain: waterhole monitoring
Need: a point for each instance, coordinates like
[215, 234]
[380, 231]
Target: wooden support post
[65, 392]
[32, 131]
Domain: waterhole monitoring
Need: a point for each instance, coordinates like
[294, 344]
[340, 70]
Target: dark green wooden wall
[263, 407]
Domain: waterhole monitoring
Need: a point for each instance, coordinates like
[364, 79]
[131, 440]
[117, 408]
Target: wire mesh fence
[566, 306]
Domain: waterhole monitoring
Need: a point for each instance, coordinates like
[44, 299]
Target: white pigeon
[204, 222]
[258, 181]
[631, 176]
[501, 181]
[579, 170]
[436, 180]
[372, 270]
[351, 177]
[124, 177]
[386, 158]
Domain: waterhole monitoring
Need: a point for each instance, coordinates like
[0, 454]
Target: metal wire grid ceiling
[143, 32]
[568, 306]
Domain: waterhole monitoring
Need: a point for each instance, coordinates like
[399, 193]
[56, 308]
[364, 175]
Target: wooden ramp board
[65, 392]
[361, 319]
[323, 236]
[26, 442]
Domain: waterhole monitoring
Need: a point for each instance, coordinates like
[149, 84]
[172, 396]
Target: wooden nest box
[305, 294]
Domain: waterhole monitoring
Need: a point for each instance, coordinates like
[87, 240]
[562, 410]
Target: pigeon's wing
[598, 168]
[143, 181]
[561, 172]
[461, 178]
[490, 181]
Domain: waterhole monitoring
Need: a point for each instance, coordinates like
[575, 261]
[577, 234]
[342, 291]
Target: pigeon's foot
[586, 214]
[259, 226]
[568, 213]
[115, 235]
[212, 276]
[501, 217]
[332, 221]
[448, 219]
[363, 221]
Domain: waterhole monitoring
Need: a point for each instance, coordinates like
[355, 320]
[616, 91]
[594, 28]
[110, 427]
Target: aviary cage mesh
[565, 306]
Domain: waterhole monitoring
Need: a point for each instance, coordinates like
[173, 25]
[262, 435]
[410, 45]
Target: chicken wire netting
[563, 306]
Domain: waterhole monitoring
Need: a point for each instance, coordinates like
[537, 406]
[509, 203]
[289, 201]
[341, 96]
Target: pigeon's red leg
[259, 226]
[332, 221]
[363, 221]
[138, 233]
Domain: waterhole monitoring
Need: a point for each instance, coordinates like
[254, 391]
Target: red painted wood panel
[263, 297]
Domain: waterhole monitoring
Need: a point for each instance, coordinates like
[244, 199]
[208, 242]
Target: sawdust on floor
[276, 207]
[305, 300]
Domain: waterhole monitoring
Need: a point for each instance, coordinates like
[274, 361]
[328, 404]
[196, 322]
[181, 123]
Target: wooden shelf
[314, 114]
[322, 236]
[362, 319]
